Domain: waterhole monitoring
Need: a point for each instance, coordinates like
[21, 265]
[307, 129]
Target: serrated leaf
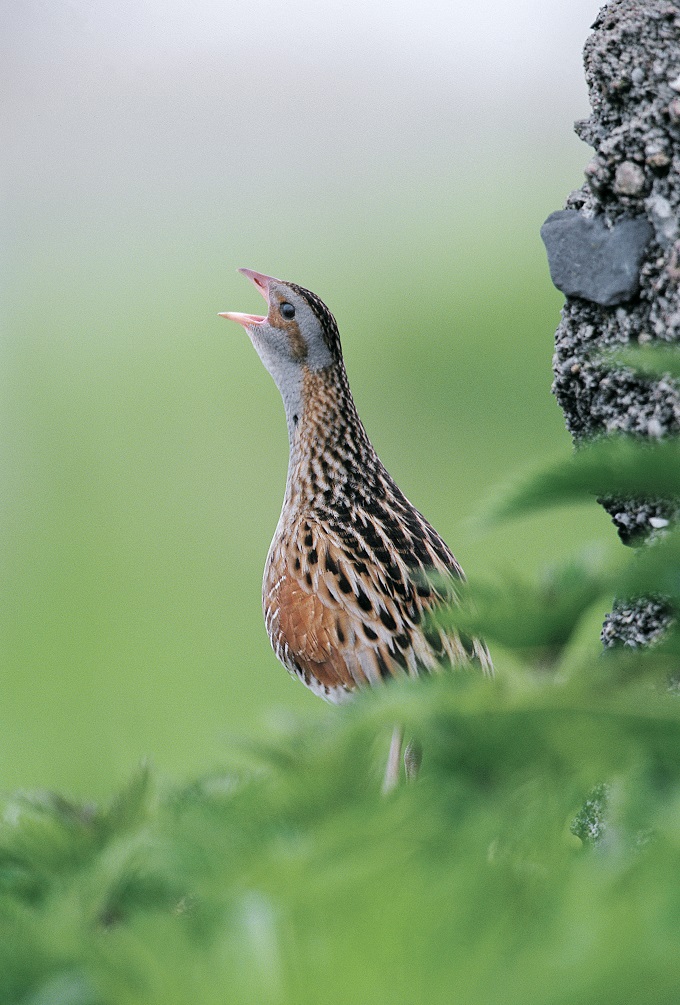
[618, 466]
[655, 570]
[536, 619]
[131, 805]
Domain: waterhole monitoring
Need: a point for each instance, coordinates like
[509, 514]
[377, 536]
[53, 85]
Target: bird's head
[297, 337]
[297, 332]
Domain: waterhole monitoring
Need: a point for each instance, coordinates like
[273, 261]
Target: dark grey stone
[591, 260]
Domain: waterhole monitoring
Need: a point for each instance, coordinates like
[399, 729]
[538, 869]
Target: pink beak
[262, 283]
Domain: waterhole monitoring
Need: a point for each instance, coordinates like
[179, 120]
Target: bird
[354, 570]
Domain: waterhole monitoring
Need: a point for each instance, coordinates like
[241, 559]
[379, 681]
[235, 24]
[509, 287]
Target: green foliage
[534, 861]
[536, 619]
[616, 466]
[655, 569]
[299, 883]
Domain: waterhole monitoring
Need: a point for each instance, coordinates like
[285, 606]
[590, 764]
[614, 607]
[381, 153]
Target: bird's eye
[287, 310]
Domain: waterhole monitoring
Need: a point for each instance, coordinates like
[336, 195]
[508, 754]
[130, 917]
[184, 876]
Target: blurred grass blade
[617, 466]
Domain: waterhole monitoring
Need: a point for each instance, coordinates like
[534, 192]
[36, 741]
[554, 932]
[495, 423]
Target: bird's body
[353, 567]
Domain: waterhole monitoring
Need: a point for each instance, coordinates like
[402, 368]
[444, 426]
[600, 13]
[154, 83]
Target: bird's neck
[329, 448]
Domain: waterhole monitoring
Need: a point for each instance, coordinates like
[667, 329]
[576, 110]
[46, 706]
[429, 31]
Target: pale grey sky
[488, 43]
[199, 107]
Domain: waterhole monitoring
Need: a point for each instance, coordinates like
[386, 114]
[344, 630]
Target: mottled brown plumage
[353, 567]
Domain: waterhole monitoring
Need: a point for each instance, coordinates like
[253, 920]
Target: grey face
[291, 333]
[289, 340]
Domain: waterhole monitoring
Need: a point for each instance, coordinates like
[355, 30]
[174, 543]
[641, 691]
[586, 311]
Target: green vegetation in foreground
[534, 862]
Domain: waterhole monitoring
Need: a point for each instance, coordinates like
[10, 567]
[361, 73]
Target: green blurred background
[399, 163]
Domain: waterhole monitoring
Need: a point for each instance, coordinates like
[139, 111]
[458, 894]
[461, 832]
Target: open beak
[243, 319]
[261, 282]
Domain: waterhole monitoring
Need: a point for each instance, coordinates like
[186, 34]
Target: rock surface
[635, 623]
[632, 63]
[591, 260]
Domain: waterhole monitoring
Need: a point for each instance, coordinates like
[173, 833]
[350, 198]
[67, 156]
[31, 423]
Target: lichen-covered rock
[632, 63]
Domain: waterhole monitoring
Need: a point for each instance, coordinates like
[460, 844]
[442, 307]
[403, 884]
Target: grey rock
[637, 519]
[590, 260]
[629, 179]
[640, 126]
[635, 623]
[664, 219]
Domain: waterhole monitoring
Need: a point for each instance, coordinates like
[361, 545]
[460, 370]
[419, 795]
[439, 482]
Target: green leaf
[133, 804]
[654, 570]
[535, 619]
[616, 466]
